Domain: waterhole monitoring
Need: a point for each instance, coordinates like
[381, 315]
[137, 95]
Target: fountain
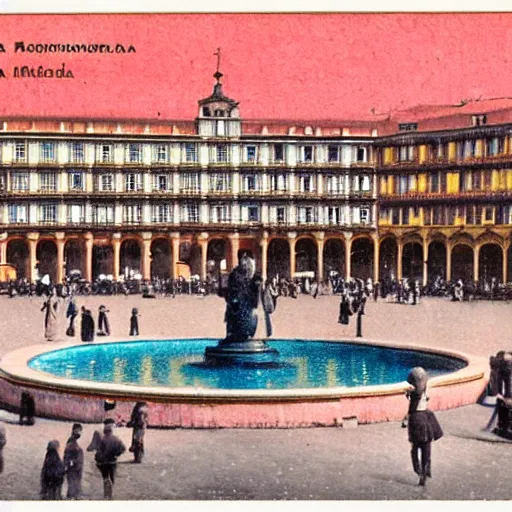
[243, 295]
[244, 381]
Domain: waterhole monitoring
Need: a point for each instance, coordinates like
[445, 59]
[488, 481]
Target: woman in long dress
[50, 319]
[52, 473]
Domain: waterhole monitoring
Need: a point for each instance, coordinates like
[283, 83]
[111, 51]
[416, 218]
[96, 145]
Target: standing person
[71, 313]
[103, 323]
[134, 322]
[109, 449]
[315, 289]
[74, 463]
[3, 442]
[139, 423]
[345, 311]
[27, 408]
[360, 313]
[399, 292]
[52, 473]
[87, 327]
[423, 427]
[50, 318]
[376, 291]
[414, 294]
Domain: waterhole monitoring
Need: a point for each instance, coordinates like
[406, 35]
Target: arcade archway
[46, 255]
[102, 261]
[160, 259]
[361, 258]
[412, 261]
[74, 257]
[490, 263]
[436, 261]
[130, 257]
[18, 256]
[305, 255]
[462, 263]
[334, 257]
[388, 259]
[217, 255]
[278, 258]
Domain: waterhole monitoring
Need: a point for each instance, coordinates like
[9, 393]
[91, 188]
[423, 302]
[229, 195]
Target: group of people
[87, 325]
[500, 387]
[353, 302]
[107, 448]
[105, 286]
[422, 424]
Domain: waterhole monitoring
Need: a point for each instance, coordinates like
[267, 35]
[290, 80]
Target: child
[134, 323]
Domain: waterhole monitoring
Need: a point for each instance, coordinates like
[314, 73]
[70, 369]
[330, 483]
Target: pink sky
[278, 66]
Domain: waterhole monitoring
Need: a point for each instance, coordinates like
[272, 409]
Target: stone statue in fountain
[242, 298]
[243, 293]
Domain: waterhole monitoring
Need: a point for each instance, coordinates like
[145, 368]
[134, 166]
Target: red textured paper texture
[278, 66]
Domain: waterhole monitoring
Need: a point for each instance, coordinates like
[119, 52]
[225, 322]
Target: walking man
[110, 448]
[134, 322]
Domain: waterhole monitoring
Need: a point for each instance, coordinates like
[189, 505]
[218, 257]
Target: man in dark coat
[74, 463]
[110, 448]
[134, 322]
[87, 327]
[345, 310]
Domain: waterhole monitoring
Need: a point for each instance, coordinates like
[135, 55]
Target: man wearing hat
[74, 463]
[110, 448]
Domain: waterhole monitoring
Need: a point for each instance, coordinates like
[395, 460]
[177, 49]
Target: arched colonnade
[320, 253]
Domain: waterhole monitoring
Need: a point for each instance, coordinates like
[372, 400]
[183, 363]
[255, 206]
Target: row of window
[463, 150]
[447, 215]
[188, 212]
[443, 182]
[189, 182]
[160, 153]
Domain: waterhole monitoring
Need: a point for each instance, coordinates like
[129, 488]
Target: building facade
[421, 193]
[115, 198]
[445, 193]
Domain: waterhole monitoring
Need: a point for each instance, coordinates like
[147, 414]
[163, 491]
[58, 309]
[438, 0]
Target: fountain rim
[14, 369]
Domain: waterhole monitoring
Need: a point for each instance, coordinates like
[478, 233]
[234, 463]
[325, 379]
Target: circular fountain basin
[313, 382]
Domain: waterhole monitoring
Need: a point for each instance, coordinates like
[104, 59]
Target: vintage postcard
[255, 256]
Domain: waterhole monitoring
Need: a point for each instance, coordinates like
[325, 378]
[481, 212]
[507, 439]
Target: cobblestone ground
[370, 462]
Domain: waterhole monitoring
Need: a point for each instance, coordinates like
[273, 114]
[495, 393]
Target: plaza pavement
[369, 462]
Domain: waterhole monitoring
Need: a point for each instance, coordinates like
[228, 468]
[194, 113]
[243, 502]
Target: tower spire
[218, 75]
[217, 88]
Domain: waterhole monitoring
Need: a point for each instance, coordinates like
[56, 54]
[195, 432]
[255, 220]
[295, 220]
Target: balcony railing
[495, 194]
